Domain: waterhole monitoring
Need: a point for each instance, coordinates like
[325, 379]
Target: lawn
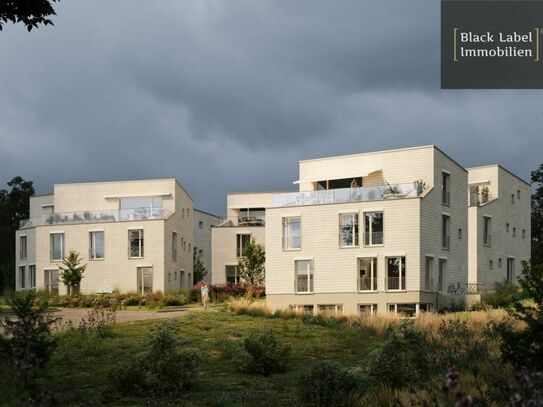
[80, 370]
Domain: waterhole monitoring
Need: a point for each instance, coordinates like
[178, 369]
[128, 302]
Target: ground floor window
[22, 277]
[32, 276]
[408, 310]
[231, 273]
[426, 307]
[305, 308]
[304, 276]
[510, 269]
[145, 280]
[441, 274]
[50, 278]
[332, 309]
[367, 309]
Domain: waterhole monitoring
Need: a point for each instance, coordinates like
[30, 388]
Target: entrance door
[145, 280]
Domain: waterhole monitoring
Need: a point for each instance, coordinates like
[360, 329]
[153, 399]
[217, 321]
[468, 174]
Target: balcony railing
[342, 195]
[116, 215]
[367, 284]
[395, 283]
[251, 221]
[372, 239]
[476, 199]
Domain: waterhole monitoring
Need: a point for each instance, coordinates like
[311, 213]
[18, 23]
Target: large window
[367, 309]
[445, 232]
[135, 242]
[396, 273]
[174, 246]
[141, 208]
[487, 230]
[32, 276]
[367, 274]
[292, 233]
[252, 217]
[241, 242]
[57, 246]
[446, 188]
[22, 277]
[373, 228]
[348, 229]
[428, 269]
[50, 278]
[442, 272]
[408, 310]
[304, 276]
[96, 245]
[145, 280]
[339, 183]
[330, 309]
[22, 248]
[231, 274]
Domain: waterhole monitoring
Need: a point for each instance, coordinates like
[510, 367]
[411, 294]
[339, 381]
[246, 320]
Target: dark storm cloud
[228, 95]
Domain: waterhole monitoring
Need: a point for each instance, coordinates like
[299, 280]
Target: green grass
[79, 371]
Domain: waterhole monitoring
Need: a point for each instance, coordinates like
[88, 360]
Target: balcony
[115, 215]
[345, 195]
[367, 284]
[373, 239]
[395, 283]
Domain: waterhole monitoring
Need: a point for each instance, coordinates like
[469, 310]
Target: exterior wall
[202, 225]
[237, 201]
[502, 210]
[37, 204]
[31, 254]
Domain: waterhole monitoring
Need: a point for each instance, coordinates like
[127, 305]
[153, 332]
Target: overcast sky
[228, 95]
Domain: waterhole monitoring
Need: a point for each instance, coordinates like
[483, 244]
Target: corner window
[57, 246]
[96, 245]
[135, 241]
[174, 246]
[367, 274]
[373, 228]
[231, 273]
[22, 248]
[241, 242]
[486, 230]
[446, 188]
[348, 229]
[445, 232]
[304, 276]
[396, 273]
[292, 233]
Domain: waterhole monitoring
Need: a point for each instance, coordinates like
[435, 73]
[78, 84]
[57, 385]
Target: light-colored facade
[203, 222]
[133, 236]
[499, 225]
[377, 232]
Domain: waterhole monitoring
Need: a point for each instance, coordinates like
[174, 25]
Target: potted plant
[420, 186]
[485, 194]
[391, 191]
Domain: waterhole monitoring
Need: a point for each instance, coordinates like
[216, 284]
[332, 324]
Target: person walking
[204, 290]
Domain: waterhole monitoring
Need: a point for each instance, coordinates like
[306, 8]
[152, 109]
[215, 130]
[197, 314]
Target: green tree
[199, 270]
[537, 216]
[251, 267]
[14, 207]
[71, 271]
[29, 12]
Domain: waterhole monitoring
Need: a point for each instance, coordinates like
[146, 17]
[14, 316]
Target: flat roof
[503, 168]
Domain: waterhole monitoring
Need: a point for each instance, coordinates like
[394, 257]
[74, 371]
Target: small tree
[251, 266]
[199, 270]
[71, 271]
[29, 12]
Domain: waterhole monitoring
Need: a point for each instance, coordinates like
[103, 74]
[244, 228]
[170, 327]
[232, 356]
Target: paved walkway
[75, 314]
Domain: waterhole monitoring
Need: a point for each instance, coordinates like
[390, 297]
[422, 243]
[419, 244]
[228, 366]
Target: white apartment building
[133, 236]
[393, 230]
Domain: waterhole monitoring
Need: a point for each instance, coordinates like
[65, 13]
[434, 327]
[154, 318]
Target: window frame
[287, 238]
[310, 276]
[174, 246]
[236, 275]
[141, 244]
[445, 231]
[23, 247]
[402, 272]
[240, 245]
[32, 276]
[445, 188]
[354, 219]
[368, 229]
[52, 246]
[372, 311]
[487, 230]
[21, 271]
[428, 271]
[92, 245]
[441, 274]
[374, 274]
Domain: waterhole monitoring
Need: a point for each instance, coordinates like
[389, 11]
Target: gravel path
[75, 314]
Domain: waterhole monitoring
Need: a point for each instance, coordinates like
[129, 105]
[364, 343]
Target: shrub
[481, 306]
[161, 368]
[326, 383]
[503, 295]
[175, 299]
[266, 354]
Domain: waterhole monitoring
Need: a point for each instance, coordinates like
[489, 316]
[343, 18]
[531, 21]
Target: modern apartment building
[133, 236]
[203, 222]
[375, 232]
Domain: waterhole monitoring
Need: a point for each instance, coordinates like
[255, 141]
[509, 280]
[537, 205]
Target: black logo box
[478, 65]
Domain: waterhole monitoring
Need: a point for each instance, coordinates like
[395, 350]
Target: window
[32, 276]
[304, 308]
[348, 229]
[373, 228]
[460, 233]
[524, 233]
[231, 274]
[367, 309]
[200, 252]
[183, 212]
[510, 269]
[396, 273]
[518, 193]
[446, 188]
[426, 307]
[22, 248]
[190, 247]
[339, 183]
[22, 277]
[441, 274]
[135, 240]
[445, 232]
[367, 274]
[304, 276]
[252, 217]
[241, 242]
[507, 227]
[428, 269]
[184, 245]
[514, 232]
[175, 275]
[408, 310]
[512, 198]
[145, 280]
[201, 224]
[499, 262]
[96, 245]
[486, 230]
[51, 281]
[140, 208]
[174, 246]
[330, 309]
[57, 246]
[292, 233]
[491, 265]
[169, 277]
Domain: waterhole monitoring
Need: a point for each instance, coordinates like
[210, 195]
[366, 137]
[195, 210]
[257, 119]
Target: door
[145, 280]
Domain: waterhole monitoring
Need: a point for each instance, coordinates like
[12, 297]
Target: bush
[481, 306]
[161, 368]
[326, 383]
[266, 354]
[175, 299]
[220, 293]
[503, 295]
